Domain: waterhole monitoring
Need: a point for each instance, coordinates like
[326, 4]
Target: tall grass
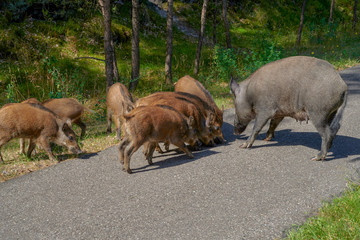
[339, 219]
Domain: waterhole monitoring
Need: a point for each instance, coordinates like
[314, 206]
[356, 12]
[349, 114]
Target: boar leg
[158, 148]
[109, 120]
[327, 137]
[118, 126]
[150, 151]
[22, 145]
[30, 148]
[5, 136]
[122, 147]
[260, 122]
[183, 147]
[82, 125]
[44, 143]
[129, 151]
[273, 125]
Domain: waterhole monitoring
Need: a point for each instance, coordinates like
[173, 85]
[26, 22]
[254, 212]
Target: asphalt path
[225, 192]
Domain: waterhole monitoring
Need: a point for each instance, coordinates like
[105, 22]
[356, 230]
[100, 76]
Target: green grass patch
[339, 219]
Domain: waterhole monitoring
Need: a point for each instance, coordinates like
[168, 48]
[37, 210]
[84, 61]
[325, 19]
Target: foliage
[224, 63]
[16, 11]
[237, 63]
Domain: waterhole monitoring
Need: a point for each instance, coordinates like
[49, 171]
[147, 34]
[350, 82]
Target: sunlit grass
[339, 219]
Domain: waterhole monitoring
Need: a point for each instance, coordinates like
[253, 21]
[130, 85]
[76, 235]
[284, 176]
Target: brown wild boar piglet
[152, 124]
[188, 108]
[20, 120]
[190, 85]
[118, 102]
[68, 108]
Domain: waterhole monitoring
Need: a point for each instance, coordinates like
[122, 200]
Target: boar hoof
[318, 158]
[268, 138]
[127, 170]
[245, 145]
[150, 162]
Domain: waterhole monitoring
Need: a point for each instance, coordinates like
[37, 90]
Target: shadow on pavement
[175, 159]
[343, 146]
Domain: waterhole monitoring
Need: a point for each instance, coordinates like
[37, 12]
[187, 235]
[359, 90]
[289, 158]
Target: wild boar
[153, 124]
[119, 102]
[186, 107]
[190, 85]
[299, 87]
[38, 124]
[68, 108]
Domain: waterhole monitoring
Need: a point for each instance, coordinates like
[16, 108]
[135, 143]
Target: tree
[109, 50]
[214, 20]
[201, 36]
[135, 52]
[226, 24]
[355, 16]
[301, 23]
[169, 43]
[331, 11]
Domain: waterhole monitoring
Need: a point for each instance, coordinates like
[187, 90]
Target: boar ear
[68, 122]
[190, 121]
[222, 108]
[210, 119]
[233, 85]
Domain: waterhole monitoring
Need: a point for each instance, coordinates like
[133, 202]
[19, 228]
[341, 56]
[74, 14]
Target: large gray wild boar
[37, 123]
[299, 87]
[153, 124]
[119, 102]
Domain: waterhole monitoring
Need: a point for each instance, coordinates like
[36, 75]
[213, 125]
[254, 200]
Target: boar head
[243, 109]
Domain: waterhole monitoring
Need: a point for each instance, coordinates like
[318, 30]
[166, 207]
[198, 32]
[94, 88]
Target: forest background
[57, 48]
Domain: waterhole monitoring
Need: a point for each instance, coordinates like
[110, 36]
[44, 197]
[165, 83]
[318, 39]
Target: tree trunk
[135, 54]
[331, 11]
[109, 50]
[355, 16]
[214, 20]
[169, 43]
[301, 23]
[226, 24]
[115, 67]
[201, 36]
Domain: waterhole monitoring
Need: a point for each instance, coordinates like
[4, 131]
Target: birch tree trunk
[226, 23]
[355, 15]
[109, 50]
[301, 23]
[169, 44]
[201, 36]
[214, 20]
[331, 11]
[135, 52]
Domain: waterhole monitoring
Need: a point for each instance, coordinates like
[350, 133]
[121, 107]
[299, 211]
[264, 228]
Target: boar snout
[239, 128]
[75, 150]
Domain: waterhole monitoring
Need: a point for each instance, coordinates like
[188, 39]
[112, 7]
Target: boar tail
[335, 123]
[233, 85]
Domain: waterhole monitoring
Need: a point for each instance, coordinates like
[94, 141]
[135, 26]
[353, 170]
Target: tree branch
[91, 58]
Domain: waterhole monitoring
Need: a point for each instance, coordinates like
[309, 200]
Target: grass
[339, 219]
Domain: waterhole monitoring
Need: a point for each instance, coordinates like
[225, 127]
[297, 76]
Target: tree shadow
[343, 146]
[175, 159]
